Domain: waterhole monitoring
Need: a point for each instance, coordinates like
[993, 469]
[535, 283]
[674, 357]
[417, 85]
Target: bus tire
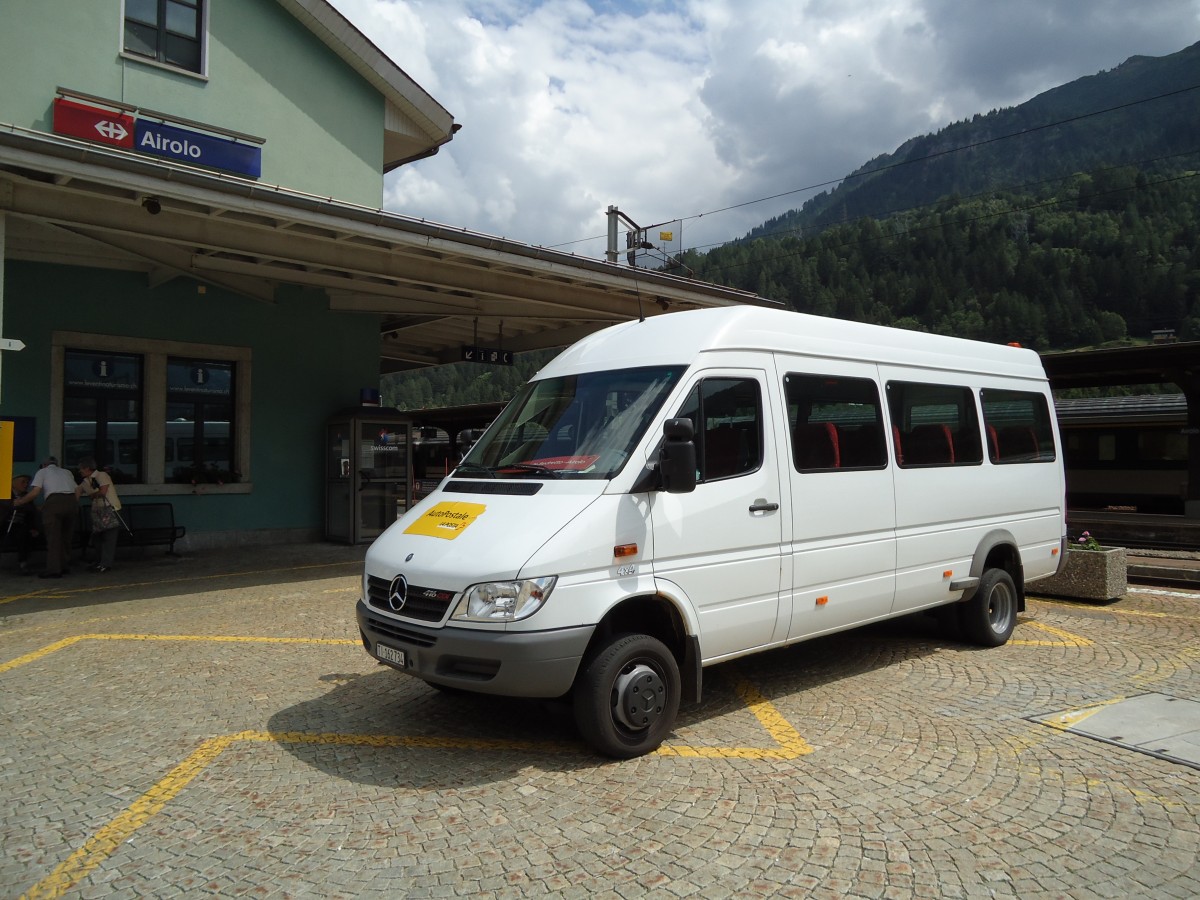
[990, 616]
[627, 696]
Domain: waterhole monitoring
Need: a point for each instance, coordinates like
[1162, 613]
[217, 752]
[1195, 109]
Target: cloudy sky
[698, 110]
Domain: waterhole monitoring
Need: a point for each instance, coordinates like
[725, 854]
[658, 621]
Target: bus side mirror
[677, 458]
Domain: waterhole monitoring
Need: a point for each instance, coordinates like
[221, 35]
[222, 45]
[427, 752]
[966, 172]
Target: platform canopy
[1168, 363]
[437, 288]
[1176, 363]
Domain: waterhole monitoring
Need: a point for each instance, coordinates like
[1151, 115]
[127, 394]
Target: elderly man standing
[60, 510]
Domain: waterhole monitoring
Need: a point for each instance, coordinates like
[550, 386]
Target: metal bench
[149, 525]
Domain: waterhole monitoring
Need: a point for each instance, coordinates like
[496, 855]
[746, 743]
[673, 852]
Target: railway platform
[1164, 567]
[1114, 528]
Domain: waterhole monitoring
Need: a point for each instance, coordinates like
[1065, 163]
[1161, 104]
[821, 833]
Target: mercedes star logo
[397, 591]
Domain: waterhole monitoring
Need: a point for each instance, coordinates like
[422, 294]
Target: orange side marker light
[821, 601]
[623, 550]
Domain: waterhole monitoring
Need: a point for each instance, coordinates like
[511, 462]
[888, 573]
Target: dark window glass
[102, 412]
[200, 426]
[1018, 426]
[183, 19]
[835, 423]
[934, 424]
[169, 31]
[726, 414]
[142, 11]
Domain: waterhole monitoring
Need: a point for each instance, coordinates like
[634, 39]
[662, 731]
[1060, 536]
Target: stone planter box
[1088, 575]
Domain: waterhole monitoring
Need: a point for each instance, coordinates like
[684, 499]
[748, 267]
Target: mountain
[1142, 113]
[1070, 220]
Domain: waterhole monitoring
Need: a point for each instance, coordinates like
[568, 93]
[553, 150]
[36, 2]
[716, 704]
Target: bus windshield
[575, 426]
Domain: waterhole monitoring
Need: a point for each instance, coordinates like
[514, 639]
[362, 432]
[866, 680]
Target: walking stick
[117, 513]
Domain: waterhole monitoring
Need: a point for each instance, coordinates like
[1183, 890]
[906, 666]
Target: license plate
[391, 654]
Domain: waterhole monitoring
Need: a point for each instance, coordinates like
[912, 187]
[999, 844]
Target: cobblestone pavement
[210, 724]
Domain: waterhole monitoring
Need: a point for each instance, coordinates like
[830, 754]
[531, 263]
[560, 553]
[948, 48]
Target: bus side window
[836, 423]
[934, 424]
[727, 415]
[1018, 427]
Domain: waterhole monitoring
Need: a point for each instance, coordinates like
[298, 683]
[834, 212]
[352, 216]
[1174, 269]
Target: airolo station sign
[121, 127]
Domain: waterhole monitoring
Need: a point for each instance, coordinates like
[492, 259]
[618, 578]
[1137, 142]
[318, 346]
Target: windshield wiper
[470, 469]
[535, 468]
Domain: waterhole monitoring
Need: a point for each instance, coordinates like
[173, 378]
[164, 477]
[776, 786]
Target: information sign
[159, 139]
[489, 355]
[92, 123]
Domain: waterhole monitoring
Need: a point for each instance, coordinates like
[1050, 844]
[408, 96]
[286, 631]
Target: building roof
[1133, 408]
[1177, 363]
[437, 288]
[415, 125]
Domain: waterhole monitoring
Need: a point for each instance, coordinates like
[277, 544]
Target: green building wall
[267, 76]
[308, 363]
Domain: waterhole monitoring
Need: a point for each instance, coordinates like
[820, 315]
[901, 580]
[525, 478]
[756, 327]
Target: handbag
[104, 517]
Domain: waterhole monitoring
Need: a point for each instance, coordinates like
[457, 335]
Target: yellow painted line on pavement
[790, 744]
[1169, 667]
[108, 839]
[1145, 614]
[38, 654]
[1067, 638]
[47, 594]
[1138, 795]
[1120, 611]
[217, 638]
[58, 592]
[1065, 721]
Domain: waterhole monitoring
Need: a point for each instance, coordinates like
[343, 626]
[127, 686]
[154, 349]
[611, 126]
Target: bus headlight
[504, 601]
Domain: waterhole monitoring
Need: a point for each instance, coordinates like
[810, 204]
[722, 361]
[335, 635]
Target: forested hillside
[1070, 221]
[1108, 255]
[1142, 113]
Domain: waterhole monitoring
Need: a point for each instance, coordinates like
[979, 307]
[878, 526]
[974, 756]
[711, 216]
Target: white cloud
[670, 109]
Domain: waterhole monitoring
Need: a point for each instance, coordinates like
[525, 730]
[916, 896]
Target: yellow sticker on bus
[446, 520]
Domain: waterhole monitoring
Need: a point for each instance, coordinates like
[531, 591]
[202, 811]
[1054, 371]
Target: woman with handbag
[105, 505]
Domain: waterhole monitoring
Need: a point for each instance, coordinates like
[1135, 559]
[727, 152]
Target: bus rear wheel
[990, 616]
[627, 696]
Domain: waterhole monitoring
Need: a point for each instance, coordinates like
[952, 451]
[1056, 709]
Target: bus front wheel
[627, 696]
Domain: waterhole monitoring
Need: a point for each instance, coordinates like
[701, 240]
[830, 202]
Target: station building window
[170, 415]
[102, 412]
[200, 416]
[166, 31]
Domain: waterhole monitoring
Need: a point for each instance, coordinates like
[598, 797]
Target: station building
[195, 260]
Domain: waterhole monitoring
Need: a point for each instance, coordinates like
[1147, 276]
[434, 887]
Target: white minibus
[673, 493]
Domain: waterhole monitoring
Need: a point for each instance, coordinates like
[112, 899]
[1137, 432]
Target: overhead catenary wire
[1025, 132]
[1043, 204]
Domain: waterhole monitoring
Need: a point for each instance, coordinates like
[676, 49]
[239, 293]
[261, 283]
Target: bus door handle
[761, 505]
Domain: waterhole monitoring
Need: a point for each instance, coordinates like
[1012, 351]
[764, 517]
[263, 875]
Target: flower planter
[1088, 575]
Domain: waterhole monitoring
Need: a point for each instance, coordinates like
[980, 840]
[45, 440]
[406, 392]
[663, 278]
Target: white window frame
[179, 70]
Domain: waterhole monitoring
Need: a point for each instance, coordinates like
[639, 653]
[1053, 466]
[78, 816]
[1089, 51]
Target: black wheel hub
[639, 696]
